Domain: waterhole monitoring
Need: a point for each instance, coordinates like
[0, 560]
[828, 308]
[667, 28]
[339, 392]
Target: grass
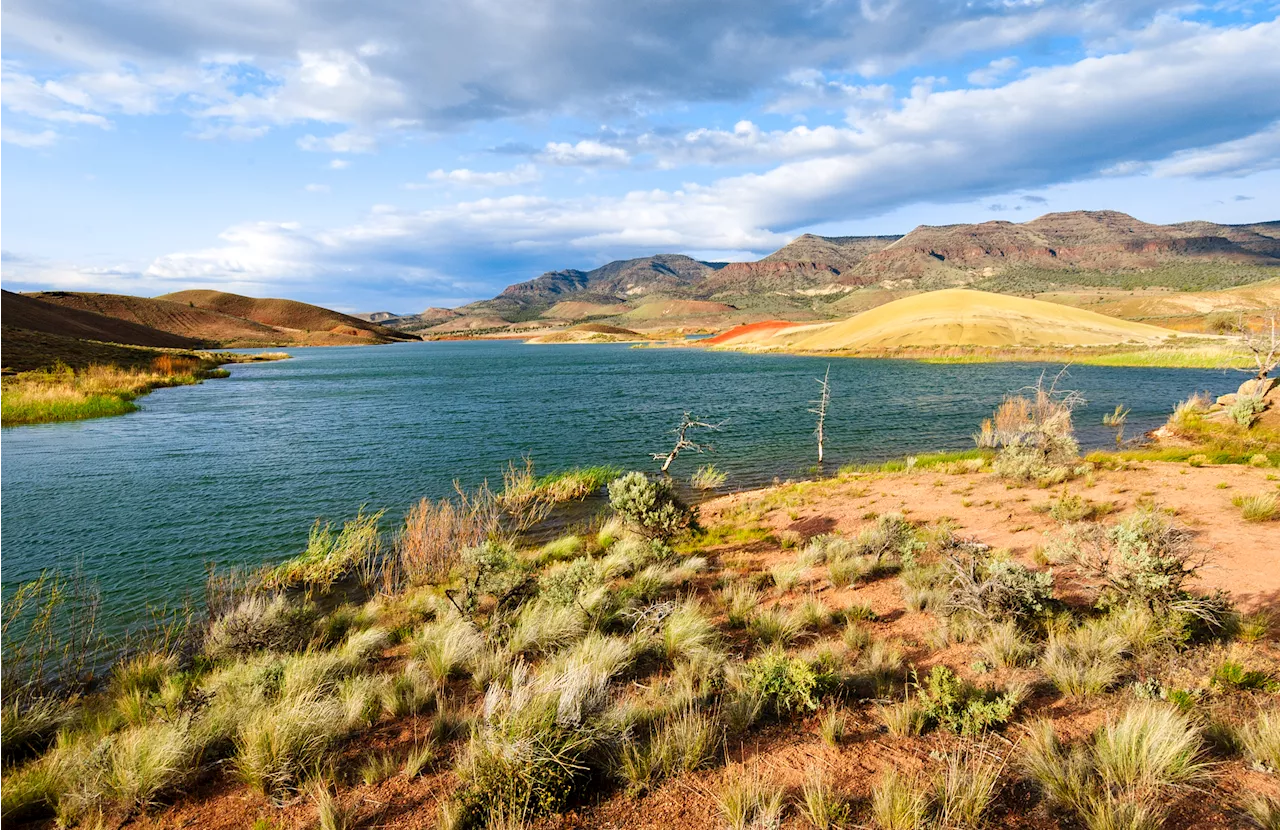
[331, 554]
[899, 802]
[819, 804]
[748, 801]
[1263, 507]
[1122, 776]
[99, 390]
[1083, 661]
[1261, 739]
[279, 745]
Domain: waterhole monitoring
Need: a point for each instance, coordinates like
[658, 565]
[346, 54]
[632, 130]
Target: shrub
[708, 478]
[650, 507]
[786, 683]
[490, 569]
[995, 589]
[1246, 409]
[260, 623]
[960, 707]
[1034, 436]
[1263, 507]
[1144, 558]
[561, 585]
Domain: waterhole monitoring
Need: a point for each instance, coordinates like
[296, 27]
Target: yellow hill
[962, 317]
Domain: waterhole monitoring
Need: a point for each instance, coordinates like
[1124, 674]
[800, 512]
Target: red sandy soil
[749, 328]
[1241, 558]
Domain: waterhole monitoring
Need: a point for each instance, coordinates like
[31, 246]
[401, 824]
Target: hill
[291, 318]
[166, 315]
[962, 317]
[827, 277]
[33, 314]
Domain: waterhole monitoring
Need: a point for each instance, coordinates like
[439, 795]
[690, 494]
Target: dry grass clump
[957, 794]
[1121, 777]
[819, 803]
[446, 646]
[1085, 660]
[748, 801]
[1262, 507]
[280, 745]
[1263, 811]
[1034, 436]
[1007, 645]
[332, 554]
[1261, 739]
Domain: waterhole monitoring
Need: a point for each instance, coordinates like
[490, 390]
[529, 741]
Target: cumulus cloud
[339, 164]
[275, 63]
[586, 153]
[1157, 107]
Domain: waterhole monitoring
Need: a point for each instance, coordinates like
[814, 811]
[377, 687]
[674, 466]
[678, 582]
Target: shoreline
[62, 394]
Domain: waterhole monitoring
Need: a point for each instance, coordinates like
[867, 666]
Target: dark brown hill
[289, 315]
[167, 315]
[19, 311]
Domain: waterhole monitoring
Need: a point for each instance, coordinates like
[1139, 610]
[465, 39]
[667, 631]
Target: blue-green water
[235, 471]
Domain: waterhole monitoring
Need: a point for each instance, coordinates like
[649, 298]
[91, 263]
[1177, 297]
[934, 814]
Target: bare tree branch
[1264, 343]
[824, 398]
[683, 442]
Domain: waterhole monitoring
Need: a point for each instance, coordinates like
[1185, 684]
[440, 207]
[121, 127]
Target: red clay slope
[749, 328]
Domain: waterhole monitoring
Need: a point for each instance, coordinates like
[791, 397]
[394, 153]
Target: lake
[235, 471]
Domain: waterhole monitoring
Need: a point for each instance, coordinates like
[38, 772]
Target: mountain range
[815, 276]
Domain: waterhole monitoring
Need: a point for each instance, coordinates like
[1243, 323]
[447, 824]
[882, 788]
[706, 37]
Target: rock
[1254, 388]
[1227, 400]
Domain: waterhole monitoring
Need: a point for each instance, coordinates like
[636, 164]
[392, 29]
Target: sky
[388, 155]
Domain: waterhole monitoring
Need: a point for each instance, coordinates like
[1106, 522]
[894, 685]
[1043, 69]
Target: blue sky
[389, 155]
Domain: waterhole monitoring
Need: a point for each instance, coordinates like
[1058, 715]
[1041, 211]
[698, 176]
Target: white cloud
[586, 153]
[44, 138]
[316, 188]
[522, 174]
[1147, 107]
[349, 141]
[339, 164]
[1251, 154]
[993, 72]
[229, 132]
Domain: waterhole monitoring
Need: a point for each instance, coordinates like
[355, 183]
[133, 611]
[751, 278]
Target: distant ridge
[815, 277]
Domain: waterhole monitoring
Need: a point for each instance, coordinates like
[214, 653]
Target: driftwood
[683, 442]
[1263, 344]
[820, 409]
